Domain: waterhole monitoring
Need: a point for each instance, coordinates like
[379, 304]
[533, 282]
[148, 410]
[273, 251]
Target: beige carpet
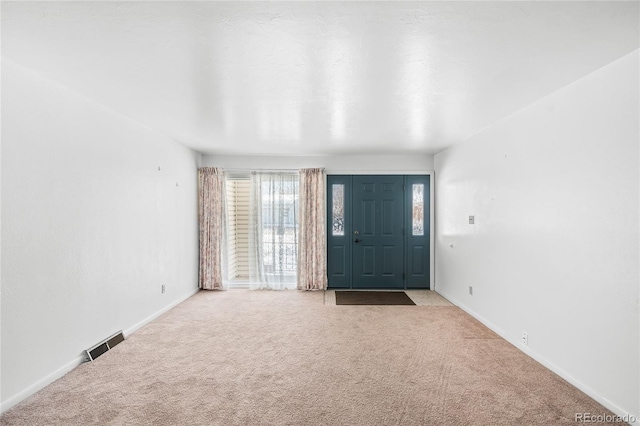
[285, 358]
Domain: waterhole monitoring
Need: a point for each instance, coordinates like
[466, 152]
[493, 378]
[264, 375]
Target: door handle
[356, 240]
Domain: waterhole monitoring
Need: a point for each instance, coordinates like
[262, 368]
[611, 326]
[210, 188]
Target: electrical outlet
[162, 288]
[525, 338]
[471, 290]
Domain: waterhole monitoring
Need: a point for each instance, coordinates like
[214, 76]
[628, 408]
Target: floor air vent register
[104, 346]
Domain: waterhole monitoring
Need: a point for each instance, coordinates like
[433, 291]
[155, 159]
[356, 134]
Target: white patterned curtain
[273, 230]
[211, 196]
[312, 253]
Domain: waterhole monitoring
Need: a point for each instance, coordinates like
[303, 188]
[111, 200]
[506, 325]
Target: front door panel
[417, 231]
[339, 231]
[377, 224]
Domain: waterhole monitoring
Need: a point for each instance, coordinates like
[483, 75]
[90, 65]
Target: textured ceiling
[317, 78]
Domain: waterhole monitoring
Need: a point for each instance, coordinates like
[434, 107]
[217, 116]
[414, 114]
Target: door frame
[432, 222]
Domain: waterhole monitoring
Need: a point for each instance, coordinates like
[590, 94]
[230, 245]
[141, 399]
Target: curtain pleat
[211, 218]
[312, 254]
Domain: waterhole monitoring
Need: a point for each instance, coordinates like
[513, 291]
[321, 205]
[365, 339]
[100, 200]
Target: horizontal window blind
[238, 227]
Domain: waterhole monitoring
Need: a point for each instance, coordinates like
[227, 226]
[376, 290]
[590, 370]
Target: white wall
[554, 250]
[401, 164]
[91, 228]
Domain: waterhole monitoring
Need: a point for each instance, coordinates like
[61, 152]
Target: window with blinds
[238, 227]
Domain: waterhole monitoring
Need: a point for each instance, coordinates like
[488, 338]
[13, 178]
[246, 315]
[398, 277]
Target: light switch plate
[471, 220]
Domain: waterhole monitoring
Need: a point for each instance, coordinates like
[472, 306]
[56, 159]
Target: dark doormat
[373, 298]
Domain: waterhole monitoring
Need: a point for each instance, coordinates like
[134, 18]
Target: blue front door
[378, 231]
[377, 223]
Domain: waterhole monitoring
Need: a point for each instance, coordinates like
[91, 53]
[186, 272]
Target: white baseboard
[45, 381]
[155, 315]
[548, 364]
